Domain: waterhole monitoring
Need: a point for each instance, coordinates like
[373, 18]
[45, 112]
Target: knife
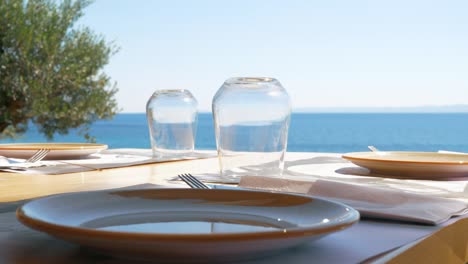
[12, 168]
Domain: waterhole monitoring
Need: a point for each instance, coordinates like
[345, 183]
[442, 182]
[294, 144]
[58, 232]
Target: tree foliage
[51, 70]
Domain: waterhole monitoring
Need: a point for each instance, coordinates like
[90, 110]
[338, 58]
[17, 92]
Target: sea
[308, 132]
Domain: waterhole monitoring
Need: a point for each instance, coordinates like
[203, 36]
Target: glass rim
[172, 91]
[251, 80]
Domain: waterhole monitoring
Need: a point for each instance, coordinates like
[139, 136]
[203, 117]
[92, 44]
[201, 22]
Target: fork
[193, 182]
[38, 156]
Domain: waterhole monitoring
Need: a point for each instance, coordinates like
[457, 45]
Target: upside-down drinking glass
[251, 117]
[172, 121]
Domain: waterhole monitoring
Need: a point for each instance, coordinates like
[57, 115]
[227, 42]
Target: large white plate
[186, 224]
[57, 150]
[419, 165]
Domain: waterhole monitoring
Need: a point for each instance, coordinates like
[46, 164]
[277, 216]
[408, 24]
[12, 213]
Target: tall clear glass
[172, 122]
[251, 117]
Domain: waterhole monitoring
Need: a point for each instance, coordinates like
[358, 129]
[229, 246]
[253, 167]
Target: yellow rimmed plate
[186, 224]
[57, 150]
[407, 164]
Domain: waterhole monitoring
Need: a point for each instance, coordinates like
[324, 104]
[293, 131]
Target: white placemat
[112, 158]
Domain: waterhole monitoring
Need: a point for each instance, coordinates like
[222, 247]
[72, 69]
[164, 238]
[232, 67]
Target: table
[370, 241]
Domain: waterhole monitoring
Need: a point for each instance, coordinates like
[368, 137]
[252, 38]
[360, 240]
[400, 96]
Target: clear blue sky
[325, 53]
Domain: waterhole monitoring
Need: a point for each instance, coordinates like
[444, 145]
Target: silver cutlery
[36, 157]
[16, 168]
[373, 149]
[192, 181]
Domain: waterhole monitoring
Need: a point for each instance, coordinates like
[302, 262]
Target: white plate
[57, 150]
[186, 224]
[418, 165]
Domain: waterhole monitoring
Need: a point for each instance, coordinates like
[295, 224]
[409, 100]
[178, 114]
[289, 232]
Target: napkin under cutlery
[373, 202]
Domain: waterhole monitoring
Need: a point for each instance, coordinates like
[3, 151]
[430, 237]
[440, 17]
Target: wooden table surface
[447, 244]
[15, 187]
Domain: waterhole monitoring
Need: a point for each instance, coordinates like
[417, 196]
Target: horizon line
[459, 108]
[346, 112]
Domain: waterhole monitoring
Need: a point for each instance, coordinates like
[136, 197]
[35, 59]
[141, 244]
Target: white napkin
[371, 202]
[19, 163]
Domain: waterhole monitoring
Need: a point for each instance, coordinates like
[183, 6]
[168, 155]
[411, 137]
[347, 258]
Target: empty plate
[417, 165]
[186, 224]
[57, 150]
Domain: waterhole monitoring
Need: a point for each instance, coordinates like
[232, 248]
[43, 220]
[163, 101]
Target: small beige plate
[418, 165]
[186, 224]
[57, 150]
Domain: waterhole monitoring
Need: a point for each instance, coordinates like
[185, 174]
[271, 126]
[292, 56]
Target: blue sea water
[314, 132]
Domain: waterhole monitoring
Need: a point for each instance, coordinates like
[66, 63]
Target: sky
[334, 53]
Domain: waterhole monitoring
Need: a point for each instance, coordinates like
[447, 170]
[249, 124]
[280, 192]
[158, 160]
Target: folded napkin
[373, 202]
[112, 158]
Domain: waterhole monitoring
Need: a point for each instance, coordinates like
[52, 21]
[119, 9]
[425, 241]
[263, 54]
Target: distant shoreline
[415, 109]
[443, 109]
[330, 112]
[343, 112]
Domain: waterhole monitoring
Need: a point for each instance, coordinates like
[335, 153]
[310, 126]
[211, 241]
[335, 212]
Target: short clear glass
[172, 122]
[251, 117]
